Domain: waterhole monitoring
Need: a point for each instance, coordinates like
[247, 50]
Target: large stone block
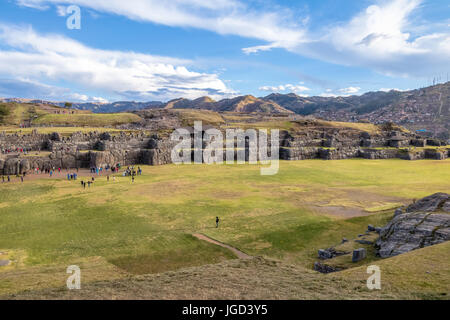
[359, 254]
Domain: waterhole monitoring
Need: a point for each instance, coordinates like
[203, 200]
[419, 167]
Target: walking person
[217, 222]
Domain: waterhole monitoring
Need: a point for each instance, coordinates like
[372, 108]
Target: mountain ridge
[425, 109]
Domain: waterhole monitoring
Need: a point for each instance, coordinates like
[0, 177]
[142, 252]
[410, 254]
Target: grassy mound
[267, 279]
[89, 120]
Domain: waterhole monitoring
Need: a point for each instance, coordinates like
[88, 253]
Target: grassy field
[119, 228]
[65, 131]
[91, 120]
[13, 114]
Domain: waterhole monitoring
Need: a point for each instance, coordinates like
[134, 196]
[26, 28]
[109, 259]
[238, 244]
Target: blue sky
[159, 50]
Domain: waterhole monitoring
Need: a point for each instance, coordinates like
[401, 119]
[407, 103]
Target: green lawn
[146, 226]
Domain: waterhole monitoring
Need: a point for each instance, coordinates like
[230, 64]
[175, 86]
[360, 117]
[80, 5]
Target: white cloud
[61, 11]
[100, 99]
[381, 38]
[344, 92]
[54, 58]
[297, 88]
[385, 37]
[350, 90]
[328, 95]
[33, 4]
[285, 87]
[79, 97]
[232, 17]
[393, 89]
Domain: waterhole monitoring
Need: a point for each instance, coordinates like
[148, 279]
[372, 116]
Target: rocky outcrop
[425, 223]
[435, 202]
[323, 268]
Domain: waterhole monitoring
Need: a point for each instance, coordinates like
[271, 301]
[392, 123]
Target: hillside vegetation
[268, 279]
[420, 109]
[14, 114]
[91, 120]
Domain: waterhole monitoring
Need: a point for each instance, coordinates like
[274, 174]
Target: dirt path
[238, 253]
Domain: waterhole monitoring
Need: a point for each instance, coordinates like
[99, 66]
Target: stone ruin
[94, 149]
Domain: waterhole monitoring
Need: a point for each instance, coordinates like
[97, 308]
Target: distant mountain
[250, 104]
[98, 107]
[119, 106]
[425, 110]
[201, 103]
[239, 104]
[359, 104]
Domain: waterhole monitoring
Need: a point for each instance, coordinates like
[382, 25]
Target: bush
[4, 111]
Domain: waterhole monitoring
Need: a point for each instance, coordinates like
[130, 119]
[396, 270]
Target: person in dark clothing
[217, 222]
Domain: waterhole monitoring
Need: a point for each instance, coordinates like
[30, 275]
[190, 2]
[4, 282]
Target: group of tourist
[16, 150]
[8, 177]
[88, 183]
[131, 171]
[99, 170]
[72, 176]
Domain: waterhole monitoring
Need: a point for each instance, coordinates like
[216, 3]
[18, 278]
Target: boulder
[323, 268]
[430, 203]
[359, 254]
[55, 136]
[106, 136]
[324, 254]
[364, 242]
[330, 253]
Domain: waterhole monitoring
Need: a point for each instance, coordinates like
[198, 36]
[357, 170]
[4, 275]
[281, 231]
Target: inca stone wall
[84, 150]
